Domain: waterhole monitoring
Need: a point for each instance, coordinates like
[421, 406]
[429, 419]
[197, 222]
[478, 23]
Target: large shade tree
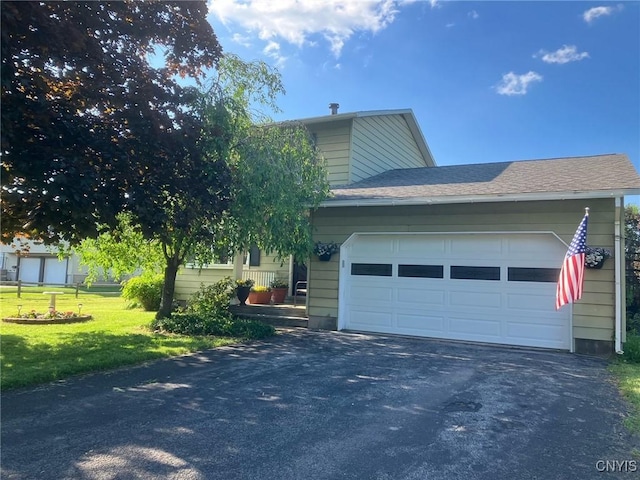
[90, 128]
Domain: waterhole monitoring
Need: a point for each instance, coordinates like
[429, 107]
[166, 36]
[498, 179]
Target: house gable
[381, 143]
[360, 145]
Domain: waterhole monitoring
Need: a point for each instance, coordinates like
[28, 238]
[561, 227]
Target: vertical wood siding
[593, 316]
[382, 143]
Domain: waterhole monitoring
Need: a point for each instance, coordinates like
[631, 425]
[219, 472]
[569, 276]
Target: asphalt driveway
[327, 405]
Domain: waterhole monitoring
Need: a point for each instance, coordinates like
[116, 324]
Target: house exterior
[466, 252]
[37, 263]
[355, 146]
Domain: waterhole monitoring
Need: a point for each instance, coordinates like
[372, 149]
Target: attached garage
[473, 252]
[485, 287]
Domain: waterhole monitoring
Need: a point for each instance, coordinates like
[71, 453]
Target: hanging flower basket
[595, 257]
[325, 250]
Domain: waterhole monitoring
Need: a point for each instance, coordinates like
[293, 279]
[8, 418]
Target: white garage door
[496, 288]
[30, 269]
[55, 271]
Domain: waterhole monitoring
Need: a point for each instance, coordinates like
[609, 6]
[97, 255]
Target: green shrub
[633, 323]
[632, 348]
[213, 300]
[279, 283]
[190, 323]
[145, 290]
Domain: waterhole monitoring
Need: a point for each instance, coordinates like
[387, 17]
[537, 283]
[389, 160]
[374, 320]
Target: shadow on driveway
[326, 405]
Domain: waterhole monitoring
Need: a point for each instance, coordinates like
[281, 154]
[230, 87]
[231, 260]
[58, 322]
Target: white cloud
[273, 50]
[295, 21]
[566, 54]
[512, 84]
[595, 12]
[473, 14]
[240, 39]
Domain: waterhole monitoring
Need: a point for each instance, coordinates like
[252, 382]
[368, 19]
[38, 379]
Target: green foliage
[277, 172]
[632, 266]
[247, 282]
[279, 283]
[213, 300]
[145, 290]
[89, 127]
[189, 323]
[632, 348]
[120, 251]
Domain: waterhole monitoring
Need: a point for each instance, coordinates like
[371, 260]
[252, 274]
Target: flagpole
[586, 211]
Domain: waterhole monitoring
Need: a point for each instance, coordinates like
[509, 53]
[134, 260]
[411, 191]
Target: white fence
[260, 277]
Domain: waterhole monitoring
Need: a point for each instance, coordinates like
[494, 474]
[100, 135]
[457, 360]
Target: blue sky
[487, 81]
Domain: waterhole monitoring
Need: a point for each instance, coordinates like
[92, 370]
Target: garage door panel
[537, 335]
[370, 293]
[475, 299]
[418, 296]
[416, 246]
[424, 324]
[368, 320]
[481, 246]
[534, 302]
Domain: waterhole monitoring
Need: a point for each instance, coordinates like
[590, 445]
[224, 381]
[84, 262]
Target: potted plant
[595, 257]
[279, 290]
[325, 250]
[243, 288]
[260, 294]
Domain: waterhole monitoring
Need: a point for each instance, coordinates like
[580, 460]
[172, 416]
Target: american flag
[572, 272]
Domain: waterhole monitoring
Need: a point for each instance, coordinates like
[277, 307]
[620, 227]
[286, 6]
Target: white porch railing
[260, 277]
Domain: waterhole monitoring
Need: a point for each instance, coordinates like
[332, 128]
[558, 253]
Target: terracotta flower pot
[279, 294]
[259, 298]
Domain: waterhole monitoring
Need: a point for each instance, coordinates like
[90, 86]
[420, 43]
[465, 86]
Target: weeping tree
[250, 181]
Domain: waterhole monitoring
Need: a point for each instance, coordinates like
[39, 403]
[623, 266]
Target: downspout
[619, 266]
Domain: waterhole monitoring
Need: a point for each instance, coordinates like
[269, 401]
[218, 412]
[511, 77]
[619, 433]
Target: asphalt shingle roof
[612, 172]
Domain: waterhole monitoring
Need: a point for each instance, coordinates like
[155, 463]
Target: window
[371, 269]
[421, 271]
[520, 274]
[475, 273]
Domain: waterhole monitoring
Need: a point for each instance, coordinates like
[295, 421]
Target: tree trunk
[168, 290]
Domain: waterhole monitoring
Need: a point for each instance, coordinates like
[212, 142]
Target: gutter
[619, 268]
[491, 198]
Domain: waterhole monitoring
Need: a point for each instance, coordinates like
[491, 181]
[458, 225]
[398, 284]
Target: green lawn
[627, 371]
[33, 354]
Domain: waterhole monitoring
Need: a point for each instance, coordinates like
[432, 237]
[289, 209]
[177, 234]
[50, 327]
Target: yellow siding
[334, 141]
[593, 315]
[381, 143]
[189, 280]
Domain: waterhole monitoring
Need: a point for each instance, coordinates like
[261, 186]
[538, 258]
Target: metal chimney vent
[334, 108]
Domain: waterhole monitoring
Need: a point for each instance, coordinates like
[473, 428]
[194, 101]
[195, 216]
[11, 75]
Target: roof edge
[511, 197]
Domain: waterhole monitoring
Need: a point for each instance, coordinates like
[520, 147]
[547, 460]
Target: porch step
[278, 310]
[276, 315]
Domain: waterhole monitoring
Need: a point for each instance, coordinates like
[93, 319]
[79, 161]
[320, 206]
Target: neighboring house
[37, 263]
[467, 252]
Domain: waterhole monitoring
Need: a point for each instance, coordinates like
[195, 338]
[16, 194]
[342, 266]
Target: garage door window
[421, 271]
[519, 274]
[372, 269]
[475, 273]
